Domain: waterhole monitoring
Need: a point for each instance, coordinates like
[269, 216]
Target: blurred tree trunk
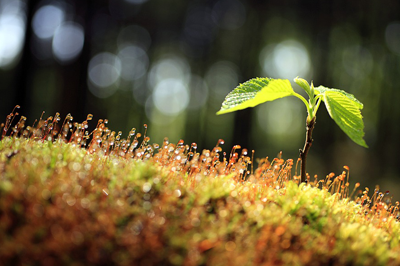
[249, 68]
[24, 74]
[74, 75]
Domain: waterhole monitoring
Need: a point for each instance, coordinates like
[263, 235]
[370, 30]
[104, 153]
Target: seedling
[343, 107]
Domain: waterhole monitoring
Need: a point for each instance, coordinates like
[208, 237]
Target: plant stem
[307, 146]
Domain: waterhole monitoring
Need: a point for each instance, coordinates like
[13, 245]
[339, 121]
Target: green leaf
[254, 92]
[322, 90]
[345, 109]
[304, 84]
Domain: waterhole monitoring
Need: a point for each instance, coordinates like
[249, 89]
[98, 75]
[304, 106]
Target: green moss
[60, 204]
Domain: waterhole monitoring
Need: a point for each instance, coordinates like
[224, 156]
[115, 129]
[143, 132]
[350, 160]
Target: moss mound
[69, 197]
[60, 205]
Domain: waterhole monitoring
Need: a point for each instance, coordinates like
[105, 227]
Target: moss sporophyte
[342, 107]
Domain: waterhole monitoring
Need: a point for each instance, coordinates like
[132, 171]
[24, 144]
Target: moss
[111, 205]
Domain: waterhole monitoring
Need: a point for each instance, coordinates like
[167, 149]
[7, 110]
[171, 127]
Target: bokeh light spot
[46, 20]
[392, 37]
[104, 70]
[288, 59]
[172, 68]
[171, 96]
[169, 67]
[12, 30]
[68, 41]
[135, 62]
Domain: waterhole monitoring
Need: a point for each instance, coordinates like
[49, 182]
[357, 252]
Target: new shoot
[342, 107]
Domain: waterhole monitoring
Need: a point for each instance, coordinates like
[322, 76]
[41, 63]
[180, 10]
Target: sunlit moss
[68, 196]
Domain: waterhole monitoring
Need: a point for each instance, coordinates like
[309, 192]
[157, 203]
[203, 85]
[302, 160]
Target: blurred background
[170, 64]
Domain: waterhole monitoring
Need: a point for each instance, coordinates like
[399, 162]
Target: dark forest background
[170, 63]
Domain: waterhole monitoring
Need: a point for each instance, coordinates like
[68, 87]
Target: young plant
[343, 107]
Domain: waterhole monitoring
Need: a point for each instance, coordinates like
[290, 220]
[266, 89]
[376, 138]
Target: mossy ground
[107, 204]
